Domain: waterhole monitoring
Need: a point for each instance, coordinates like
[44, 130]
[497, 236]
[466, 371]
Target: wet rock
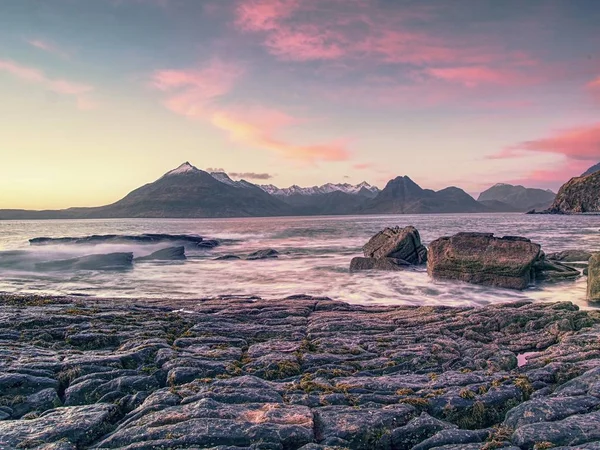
[263, 254]
[208, 243]
[79, 425]
[549, 410]
[238, 372]
[481, 258]
[553, 271]
[109, 261]
[593, 282]
[453, 437]
[417, 430]
[209, 423]
[361, 427]
[227, 258]
[24, 384]
[570, 256]
[165, 254]
[390, 264]
[574, 430]
[147, 238]
[398, 243]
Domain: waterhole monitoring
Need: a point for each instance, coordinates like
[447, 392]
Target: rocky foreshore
[297, 373]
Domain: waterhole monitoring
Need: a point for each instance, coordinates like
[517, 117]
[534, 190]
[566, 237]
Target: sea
[315, 254]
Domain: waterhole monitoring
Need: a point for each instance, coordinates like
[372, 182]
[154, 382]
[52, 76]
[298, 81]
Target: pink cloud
[197, 94]
[60, 86]
[362, 166]
[264, 15]
[316, 30]
[247, 131]
[578, 143]
[194, 91]
[473, 76]
[48, 47]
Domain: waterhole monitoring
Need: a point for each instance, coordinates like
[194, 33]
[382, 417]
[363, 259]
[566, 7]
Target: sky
[99, 97]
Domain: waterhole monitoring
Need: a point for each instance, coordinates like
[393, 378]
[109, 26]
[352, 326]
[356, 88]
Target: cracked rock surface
[297, 373]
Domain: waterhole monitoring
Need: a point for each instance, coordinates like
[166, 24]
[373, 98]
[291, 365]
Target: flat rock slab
[147, 238]
[297, 373]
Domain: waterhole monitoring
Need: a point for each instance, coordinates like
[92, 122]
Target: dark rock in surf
[165, 254]
[146, 238]
[209, 243]
[567, 256]
[593, 282]
[358, 264]
[227, 258]
[400, 243]
[263, 254]
[481, 258]
[553, 271]
[109, 261]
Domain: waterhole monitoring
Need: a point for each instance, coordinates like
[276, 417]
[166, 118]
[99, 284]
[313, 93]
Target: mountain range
[188, 192]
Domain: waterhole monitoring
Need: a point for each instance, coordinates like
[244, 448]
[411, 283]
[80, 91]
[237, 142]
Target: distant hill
[403, 196]
[578, 195]
[519, 198]
[591, 170]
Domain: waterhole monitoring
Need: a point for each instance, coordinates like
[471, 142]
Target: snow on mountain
[294, 189]
[315, 190]
[224, 178]
[186, 167]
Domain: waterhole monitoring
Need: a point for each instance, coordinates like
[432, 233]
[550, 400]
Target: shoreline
[310, 373]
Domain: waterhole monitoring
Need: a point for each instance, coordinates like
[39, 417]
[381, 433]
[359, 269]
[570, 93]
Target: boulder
[399, 243]
[109, 261]
[593, 283]
[263, 254]
[481, 258]
[165, 254]
[357, 264]
[570, 256]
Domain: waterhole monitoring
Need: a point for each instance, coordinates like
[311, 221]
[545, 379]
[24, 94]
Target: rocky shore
[297, 373]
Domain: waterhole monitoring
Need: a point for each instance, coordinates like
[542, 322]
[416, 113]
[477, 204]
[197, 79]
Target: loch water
[315, 253]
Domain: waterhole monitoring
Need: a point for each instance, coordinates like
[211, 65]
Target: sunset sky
[99, 97]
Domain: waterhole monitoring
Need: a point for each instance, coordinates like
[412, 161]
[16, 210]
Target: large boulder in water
[593, 283]
[481, 258]
[357, 264]
[399, 243]
[165, 254]
[109, 261]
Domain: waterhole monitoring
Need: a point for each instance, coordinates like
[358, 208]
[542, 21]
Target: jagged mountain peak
[184, 168]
